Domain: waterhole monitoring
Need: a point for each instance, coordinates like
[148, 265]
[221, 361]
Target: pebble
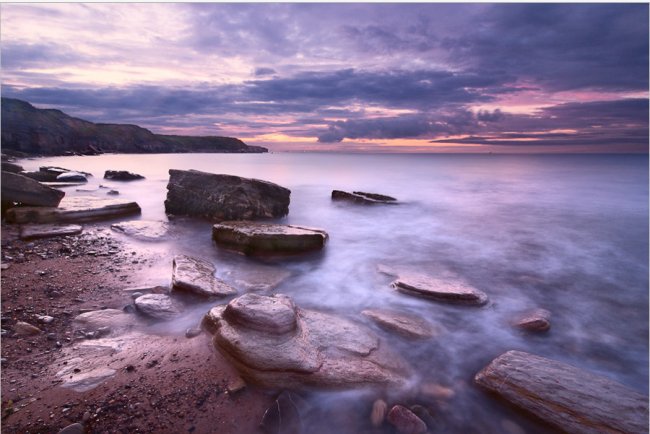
[192, 332]
[378, 414]
[5, 266]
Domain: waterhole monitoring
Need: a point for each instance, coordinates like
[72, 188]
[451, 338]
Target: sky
[421, 77]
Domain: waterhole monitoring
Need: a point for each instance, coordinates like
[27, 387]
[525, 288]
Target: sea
[566, 233]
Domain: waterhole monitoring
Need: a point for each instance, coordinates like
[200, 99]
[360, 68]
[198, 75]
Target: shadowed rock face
[224, 197]
[74, 210]
[267, 239]
[21, 189]
[564, 396]
[274, 343]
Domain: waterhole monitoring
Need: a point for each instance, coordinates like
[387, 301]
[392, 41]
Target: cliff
[30, 130]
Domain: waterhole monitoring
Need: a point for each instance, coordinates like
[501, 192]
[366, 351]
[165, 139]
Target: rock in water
[538, 320]
[21, 189]
[159, 306]
[224, 197]
[145, 230]
[71, 177]
[121, 175]
[572, 400]
[31, 232]
[405, 421]
[447, 291]
[363, 198]
[254, 238]
[404, 323]
[74, 210]
[197, 276]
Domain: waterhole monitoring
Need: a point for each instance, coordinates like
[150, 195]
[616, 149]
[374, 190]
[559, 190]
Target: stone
[158, 306]
[447, 291]
[144, 230]
[224, 197]
[74, 210]
[71, 177]
[537, 320]
[112, 192]
[11, 167]
[192, 332]
[378, 413]
[20, 189]
[274, 343]
[404, 323]
[121, 175]
[114, 319]
[571, 399]
[45, 319]
[34, 231]
[22, 328]
[253, 238]
[362, 198]
[235, 385]
[75, 428]
[5, 266]
[405, 421]
[197, 276]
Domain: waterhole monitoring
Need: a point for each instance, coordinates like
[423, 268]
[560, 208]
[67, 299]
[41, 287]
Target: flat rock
[405, 421]
[145, 230]
[404, 323]
[448, 291]
[363, 198]
[158, 306]
[21, 189]
[569, 398]
[75, 210]
[224, 197]
[253, 238]
[114, 319]
[121, 175]
[537, 320]
[30, 232]
[298, 347]
[256, 277]
[197, 276]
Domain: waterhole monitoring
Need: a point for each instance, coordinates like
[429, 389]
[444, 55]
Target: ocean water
[568, 233]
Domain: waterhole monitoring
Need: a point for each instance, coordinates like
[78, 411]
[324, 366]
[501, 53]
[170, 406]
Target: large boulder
[197, 276]
[274, 343]
[254, 238]
[572, 400]
[224, 197]
[21, 189]
[74, 210]
[442, 290]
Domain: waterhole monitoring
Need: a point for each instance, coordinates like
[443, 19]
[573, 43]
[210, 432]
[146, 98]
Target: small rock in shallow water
[378, 414]
[405, 421]
[537, 320]
[113, 192]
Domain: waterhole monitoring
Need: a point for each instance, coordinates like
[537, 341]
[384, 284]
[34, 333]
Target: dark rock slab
[19, 188]
[145, 230]
[363, 198]
[253, 238]
[11, 167]
[405, 421]
[74, 210]
[158, 306]
[30, 232]
[537, 320]
[197, 276]
[404, 323]
[224, 197]
[447, 291]
[569, 398]
[121, 175]
[258, 277]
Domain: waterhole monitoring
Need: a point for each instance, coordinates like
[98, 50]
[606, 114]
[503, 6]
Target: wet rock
[34, 231]
[121, 175]
[114, 319]
[404, 323]
[19, 188]
[11, 167]
[75, 428]
[224, 197]
[74, 210]
[22, 328]
[253, 238]
[447, 291]
[274, 343]
[71, 177]
[569, 398]
[538, 320]
[145, 230]
[283, 416]
[197, 276]
[363, 198]
[378, 413]
[405, 421]
[157, 306]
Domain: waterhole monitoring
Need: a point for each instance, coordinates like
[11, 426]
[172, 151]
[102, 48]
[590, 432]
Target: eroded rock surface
[569, 398]
[253, 238]
[404, 323]
[21, 189]
[197, 276]
[30, 232]
[443, 290]
[363, 198]
[74, 210]
[145, 230]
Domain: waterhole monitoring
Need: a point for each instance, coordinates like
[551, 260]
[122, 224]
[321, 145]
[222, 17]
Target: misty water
[568, 233]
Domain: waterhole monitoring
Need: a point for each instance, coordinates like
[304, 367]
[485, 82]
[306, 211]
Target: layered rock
[572, 400]
[274, 343]
[145, 230]
[121, 175]
[197, 276]
[363, 198]
[20, 189]
[254, 238]
[403, 323]
[74, 210]
[447, 291]
[31, 232]
[224, 197]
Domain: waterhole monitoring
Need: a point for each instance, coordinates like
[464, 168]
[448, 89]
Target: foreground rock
[266, 239]
[403, 323]
[31, 232]
[158, 306]
[197, 276]
[112, 319]
[447, 291]
[363, 198]
[564, 396]
[224, 197]
[405, 421]
[121, 175]
[51, 173]
[276, 344]
[145, 230]
[20, 189]
[74, 210]
[538, 320]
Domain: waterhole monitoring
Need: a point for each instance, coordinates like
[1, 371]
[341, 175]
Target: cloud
[264, 71]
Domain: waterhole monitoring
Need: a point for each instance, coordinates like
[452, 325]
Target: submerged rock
[448, 291]
[363, 198]
[19, 188]
[274, 343]
[253, 238]
[121, 175]
[158, 306]
[404, 323]
[537, 320]
[405, 421]
[145, 230]
[30, 232]
[256, 277]
[569, 398]
[224, 197]
[74, 210]
[197, 276]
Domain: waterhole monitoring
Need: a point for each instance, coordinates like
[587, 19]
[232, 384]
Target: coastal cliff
[35, 131]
